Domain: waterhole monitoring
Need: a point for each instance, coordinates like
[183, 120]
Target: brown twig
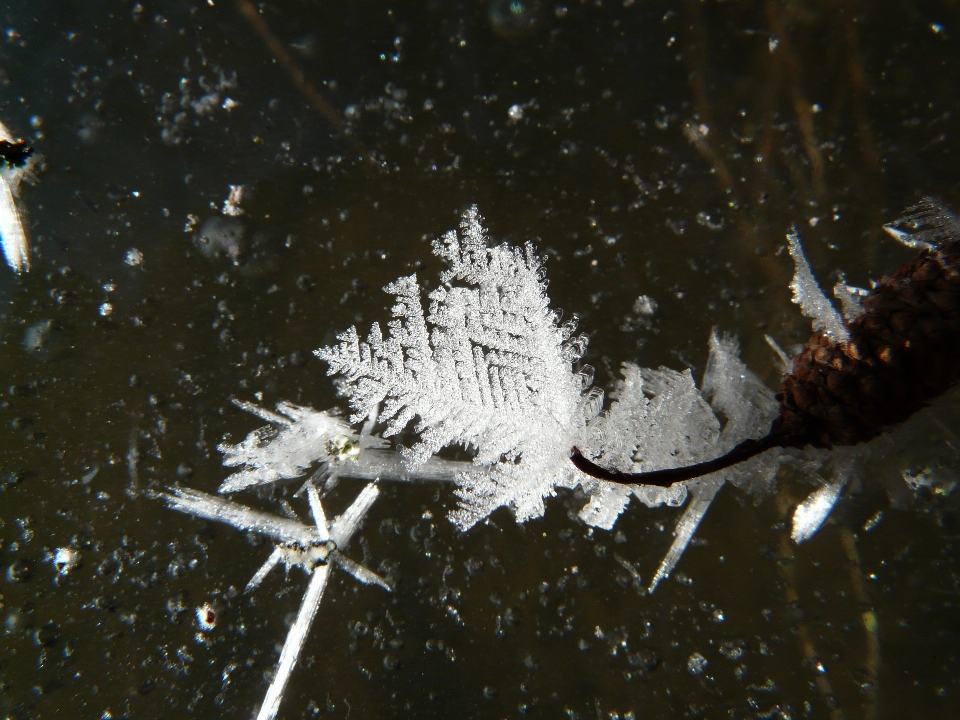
[801, 105]
[869, 619]
[296, 74]
[786, 566]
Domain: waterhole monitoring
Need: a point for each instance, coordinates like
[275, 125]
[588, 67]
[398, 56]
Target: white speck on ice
[133, 258]
[206, 617]
[66, 560]
[231, 206]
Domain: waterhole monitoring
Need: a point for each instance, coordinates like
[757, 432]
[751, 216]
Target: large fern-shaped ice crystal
[489, 367]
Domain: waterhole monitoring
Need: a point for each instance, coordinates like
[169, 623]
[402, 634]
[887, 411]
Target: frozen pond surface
[655, 152]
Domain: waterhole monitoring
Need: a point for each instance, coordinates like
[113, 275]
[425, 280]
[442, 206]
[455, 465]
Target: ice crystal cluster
[482, 362]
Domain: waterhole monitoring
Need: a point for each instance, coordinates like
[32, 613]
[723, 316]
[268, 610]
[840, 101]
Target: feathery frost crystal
[489, 367]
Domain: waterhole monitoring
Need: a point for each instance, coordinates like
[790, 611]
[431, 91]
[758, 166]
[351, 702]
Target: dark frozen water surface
[648, 148]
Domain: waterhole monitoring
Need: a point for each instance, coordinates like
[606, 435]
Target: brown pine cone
[903, 351]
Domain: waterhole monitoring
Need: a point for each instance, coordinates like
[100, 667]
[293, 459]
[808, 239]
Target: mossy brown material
[902, 353]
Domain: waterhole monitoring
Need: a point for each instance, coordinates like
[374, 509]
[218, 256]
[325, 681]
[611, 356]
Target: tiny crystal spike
[211, 507]
[319, 517]
[367, 577]
[275, 557]
[686, 528]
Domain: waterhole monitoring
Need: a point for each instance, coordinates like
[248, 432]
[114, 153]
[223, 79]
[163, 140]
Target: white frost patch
[487, 366]
[748, 405]
[808, 295]
[660, 419]
[606, 503]
[297, 438]
[926, 226]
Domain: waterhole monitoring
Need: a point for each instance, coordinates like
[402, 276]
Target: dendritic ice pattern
[488, 367]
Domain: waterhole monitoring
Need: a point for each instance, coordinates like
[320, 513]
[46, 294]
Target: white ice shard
[814, 510]
[312, 548]
[850, 297]
[808, 295]
[297, 438]
[702, 493]
[925, 226]
[12, 233]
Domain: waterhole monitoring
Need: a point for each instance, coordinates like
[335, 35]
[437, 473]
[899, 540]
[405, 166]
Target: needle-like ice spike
[264, 570]
[263, 413]
[294, 642]
[346, 525]
[686, 527]
[368, 577]
[319, 517]
[312, 548]
[211, 507]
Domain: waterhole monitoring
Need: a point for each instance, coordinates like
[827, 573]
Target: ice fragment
[808, 295]
[814, 510]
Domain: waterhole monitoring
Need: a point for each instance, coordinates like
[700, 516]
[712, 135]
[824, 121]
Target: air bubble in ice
[696, 664]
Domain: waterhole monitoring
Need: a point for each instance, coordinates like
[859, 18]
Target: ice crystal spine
[312, 548]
